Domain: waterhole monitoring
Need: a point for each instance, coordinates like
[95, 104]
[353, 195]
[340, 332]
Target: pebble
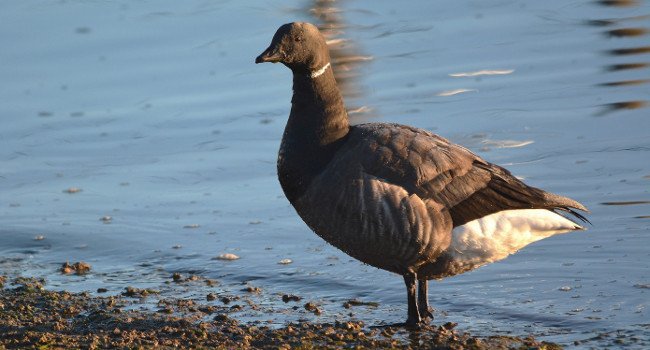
[226, 256]
[290, 297]
[251, 289]
[73, 190]
[80, 268]
[311, 307]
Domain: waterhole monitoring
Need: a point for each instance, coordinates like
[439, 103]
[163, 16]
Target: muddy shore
[33, 317]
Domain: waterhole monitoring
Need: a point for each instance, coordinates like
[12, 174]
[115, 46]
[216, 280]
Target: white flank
[494, 237]
[483, 72]
[455, 92]
[320, 72]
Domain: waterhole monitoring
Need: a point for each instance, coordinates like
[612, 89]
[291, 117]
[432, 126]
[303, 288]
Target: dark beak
[269, 55]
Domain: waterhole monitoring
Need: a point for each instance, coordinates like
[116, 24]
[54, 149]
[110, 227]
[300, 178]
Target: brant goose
[396, 197]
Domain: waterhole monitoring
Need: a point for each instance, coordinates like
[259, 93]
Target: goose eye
[298, 39]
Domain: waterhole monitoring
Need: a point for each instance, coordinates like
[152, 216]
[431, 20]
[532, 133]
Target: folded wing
[434, 168]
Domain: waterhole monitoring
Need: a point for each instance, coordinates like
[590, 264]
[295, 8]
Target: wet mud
[33, 317]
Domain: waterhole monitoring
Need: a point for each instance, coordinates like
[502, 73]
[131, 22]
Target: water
[158, 114]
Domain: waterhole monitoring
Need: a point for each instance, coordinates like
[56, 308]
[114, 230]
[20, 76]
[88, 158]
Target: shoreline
[33, 317]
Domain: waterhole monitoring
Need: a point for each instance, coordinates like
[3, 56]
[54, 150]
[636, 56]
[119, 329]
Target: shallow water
[158, 114]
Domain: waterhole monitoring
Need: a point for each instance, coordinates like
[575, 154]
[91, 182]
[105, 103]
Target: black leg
[413, 314]
[423, 300]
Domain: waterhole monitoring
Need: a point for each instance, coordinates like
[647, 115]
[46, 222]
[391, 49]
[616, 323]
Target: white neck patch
[319, 72]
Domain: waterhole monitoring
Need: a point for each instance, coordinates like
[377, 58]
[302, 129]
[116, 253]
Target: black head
[299, 46]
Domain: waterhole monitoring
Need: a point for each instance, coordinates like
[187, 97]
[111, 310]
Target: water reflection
[618, 3]
[634, 33]
[630, 51]
[623, 32]
[624, 105]
[626, 82]
[626, 203]
[626, 66]
[346, 56]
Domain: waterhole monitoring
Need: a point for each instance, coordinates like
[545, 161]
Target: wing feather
[434, 168]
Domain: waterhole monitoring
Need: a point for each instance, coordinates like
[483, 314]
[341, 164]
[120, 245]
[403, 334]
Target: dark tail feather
[567, 205]
[575, 214]
[563, 202]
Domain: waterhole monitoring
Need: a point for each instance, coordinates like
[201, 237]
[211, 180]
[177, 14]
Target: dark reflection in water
[626, 66]
[631, 32]
[618, 3]
[623, 32]
[626, 203]
[626, 82]
[613, 21]
[624, 105]
[346, 56]
[630, 51]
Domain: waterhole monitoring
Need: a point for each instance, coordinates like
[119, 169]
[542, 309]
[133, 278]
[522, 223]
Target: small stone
[209, 309]
[73, 190]
[285, 261]
[221, 317]
[290, 297]
[311, 307]
[355, 302]
[80, 268]
[210, 282]
[166, 310]
[226, 256]
[177, 277]
[565, 288]
[138, 293]
[39, 238]
[106, 219]
[191, 226]
[211, 297]
[102, 290]
[252, 289]
[449, 325]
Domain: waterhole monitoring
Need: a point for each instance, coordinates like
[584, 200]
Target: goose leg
[423, 300]
[413, 314]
